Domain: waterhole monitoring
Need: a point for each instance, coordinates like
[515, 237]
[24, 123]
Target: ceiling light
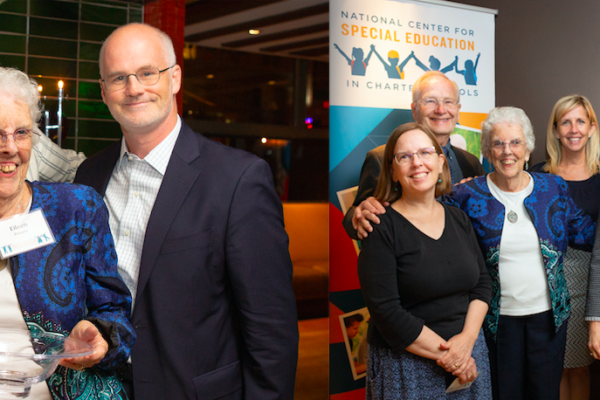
[254, 31]
[210, 76]
[271, 83]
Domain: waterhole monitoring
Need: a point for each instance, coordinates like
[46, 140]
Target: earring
[526, 165]
[439, 180]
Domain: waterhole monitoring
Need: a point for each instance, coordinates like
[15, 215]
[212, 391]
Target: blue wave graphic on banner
[348, 127]
[346, 173]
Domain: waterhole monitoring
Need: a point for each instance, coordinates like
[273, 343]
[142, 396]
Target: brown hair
[386, 189]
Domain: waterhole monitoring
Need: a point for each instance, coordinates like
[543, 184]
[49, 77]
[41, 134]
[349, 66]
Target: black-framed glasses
[21, 136]
[146, 76]
[425, 154]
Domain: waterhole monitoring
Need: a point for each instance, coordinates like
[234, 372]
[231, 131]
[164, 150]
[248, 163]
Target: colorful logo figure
[393, 70]
[435, 64]
[469, 72]
[357, 64]
[43, 238]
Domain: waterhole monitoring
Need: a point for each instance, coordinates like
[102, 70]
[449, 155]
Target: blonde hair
[386, 189]
[553, 146]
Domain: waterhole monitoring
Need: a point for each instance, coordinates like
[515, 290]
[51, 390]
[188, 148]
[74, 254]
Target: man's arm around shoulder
[369, 174]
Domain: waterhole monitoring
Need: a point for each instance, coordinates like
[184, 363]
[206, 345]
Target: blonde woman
[574, 150]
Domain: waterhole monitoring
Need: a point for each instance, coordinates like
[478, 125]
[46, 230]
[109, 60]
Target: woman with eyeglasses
[66, 283]
[573, 146]
[524, 223]
[424, 281]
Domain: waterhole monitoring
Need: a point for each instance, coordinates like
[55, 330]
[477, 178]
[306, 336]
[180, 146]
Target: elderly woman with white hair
[524, 223]
[69, 286]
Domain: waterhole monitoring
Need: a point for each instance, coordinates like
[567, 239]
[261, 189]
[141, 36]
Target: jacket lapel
[101, 172]
[177, 182]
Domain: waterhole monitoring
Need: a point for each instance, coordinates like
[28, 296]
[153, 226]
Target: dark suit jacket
[469, 165]
[215, 312]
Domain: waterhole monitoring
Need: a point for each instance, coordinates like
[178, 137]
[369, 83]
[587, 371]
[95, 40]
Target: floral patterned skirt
[405, 376]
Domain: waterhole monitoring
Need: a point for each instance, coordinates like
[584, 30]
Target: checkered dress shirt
[130, 197]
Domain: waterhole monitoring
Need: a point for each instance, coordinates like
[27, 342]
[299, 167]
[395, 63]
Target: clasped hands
[458, 359]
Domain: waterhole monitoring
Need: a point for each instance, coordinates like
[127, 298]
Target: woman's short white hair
[510, 116]
[25, 89]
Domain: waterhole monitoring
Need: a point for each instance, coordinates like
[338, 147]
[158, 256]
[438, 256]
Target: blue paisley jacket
[76, 277]
[558, 221]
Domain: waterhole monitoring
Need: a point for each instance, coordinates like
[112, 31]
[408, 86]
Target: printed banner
[378, 48]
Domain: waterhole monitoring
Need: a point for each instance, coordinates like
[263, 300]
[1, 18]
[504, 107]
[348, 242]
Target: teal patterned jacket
[76, 278]
[558, 221]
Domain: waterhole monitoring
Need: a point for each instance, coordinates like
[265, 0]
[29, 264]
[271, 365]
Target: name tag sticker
[24, 232]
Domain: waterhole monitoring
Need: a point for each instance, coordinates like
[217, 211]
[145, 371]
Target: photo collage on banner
[378, 48]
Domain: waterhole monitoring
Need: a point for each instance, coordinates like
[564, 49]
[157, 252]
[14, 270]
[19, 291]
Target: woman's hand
[87, 332]
[456, 360]
[594, 339]
[470, 372]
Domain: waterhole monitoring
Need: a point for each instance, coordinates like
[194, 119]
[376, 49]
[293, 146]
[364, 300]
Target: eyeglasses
[146, 76]
[514, 144]
[20, 136]
[432, 102]
[425, 154]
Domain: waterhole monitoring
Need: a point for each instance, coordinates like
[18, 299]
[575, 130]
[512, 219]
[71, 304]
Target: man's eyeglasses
[432, 102]
[425, 154]
[20, 136]
[146, 76]
[514, 144]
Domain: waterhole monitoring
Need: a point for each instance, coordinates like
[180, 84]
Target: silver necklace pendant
[512, 216]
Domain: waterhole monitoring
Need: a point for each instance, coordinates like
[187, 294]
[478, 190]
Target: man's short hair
[167, 44]
[416, 89]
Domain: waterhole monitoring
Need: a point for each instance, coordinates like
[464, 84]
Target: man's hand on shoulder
[365, 214]
[465, 180]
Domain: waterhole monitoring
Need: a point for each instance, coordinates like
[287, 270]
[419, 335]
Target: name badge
[24, 232]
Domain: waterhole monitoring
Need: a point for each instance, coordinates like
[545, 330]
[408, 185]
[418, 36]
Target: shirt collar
[448, 145]
[159, 157]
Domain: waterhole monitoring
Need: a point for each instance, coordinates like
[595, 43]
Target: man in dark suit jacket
[214, 308]
[436, 104]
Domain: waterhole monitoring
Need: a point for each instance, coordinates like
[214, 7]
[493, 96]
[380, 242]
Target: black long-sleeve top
[409, 279]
